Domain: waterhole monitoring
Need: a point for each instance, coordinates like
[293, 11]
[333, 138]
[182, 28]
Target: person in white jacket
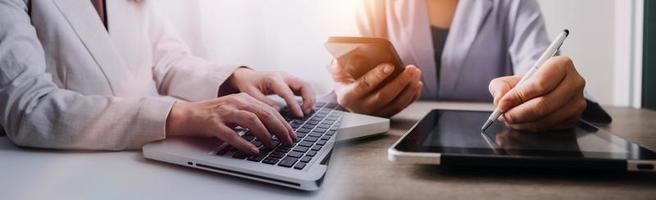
[115, 77]
[463, 50]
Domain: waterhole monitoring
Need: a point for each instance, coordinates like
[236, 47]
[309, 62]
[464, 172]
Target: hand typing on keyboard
[313, 131]
[242, 103]
[218, 118]
[259, 84]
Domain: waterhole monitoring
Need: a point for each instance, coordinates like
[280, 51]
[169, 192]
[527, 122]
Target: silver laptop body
[215, 156]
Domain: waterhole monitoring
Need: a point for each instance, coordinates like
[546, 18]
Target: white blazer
[67, 82]
[487, 39]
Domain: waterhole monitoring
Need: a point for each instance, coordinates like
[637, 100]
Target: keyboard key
[315, 134]
[311, 153]
[311, 139]
[275, 143]
[301, 149]
[320, 130]
[303, 130]
[322, 142]
[265, 150]
[286, 145]
[325, 137]
[277, 155]
[306, 159]
[308, 126]
[257, 158]
[282, 149]
[240, 155]
[295, 126]
[323, 126]
[226, 149]
[312, 123]
[287, 162]
[270, 161]
[316, 147]
[295, 154]
[331, 132]
[248, 137]
[300, 165]
[257, 143]
[305, 144]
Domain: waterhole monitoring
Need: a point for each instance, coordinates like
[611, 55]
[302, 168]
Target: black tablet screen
[447, 131]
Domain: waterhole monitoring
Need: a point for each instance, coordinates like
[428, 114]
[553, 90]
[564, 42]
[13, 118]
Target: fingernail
[388, 69]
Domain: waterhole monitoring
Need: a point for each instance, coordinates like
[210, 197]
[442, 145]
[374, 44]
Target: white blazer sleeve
[37, 113]
[178, 73]
[528, 34]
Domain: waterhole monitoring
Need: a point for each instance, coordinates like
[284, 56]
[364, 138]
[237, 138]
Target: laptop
[452, 139]
[300, 166]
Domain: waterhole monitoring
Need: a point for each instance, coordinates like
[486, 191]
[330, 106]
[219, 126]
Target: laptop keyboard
[313, 132]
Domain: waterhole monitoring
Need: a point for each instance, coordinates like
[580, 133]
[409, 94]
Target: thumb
[373, 78]
[500, 86]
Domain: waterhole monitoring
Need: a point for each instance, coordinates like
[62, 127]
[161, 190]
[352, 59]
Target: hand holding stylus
[550, 95]
[553, 98]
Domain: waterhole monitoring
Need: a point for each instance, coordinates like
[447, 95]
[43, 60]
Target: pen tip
[486, 125]
[566, 32]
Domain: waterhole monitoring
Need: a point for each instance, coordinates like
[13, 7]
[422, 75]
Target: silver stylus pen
[550, 52]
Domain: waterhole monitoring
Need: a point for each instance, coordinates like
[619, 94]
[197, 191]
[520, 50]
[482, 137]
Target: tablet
[453, 139]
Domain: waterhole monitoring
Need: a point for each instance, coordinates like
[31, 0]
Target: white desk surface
[42, 174]
[358, 170]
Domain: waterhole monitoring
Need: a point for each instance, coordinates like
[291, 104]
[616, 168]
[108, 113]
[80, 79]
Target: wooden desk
[360, 169]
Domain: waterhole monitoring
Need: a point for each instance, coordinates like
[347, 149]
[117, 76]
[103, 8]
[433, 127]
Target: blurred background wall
[289, 35]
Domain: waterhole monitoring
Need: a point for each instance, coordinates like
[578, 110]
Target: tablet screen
[447, 131]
